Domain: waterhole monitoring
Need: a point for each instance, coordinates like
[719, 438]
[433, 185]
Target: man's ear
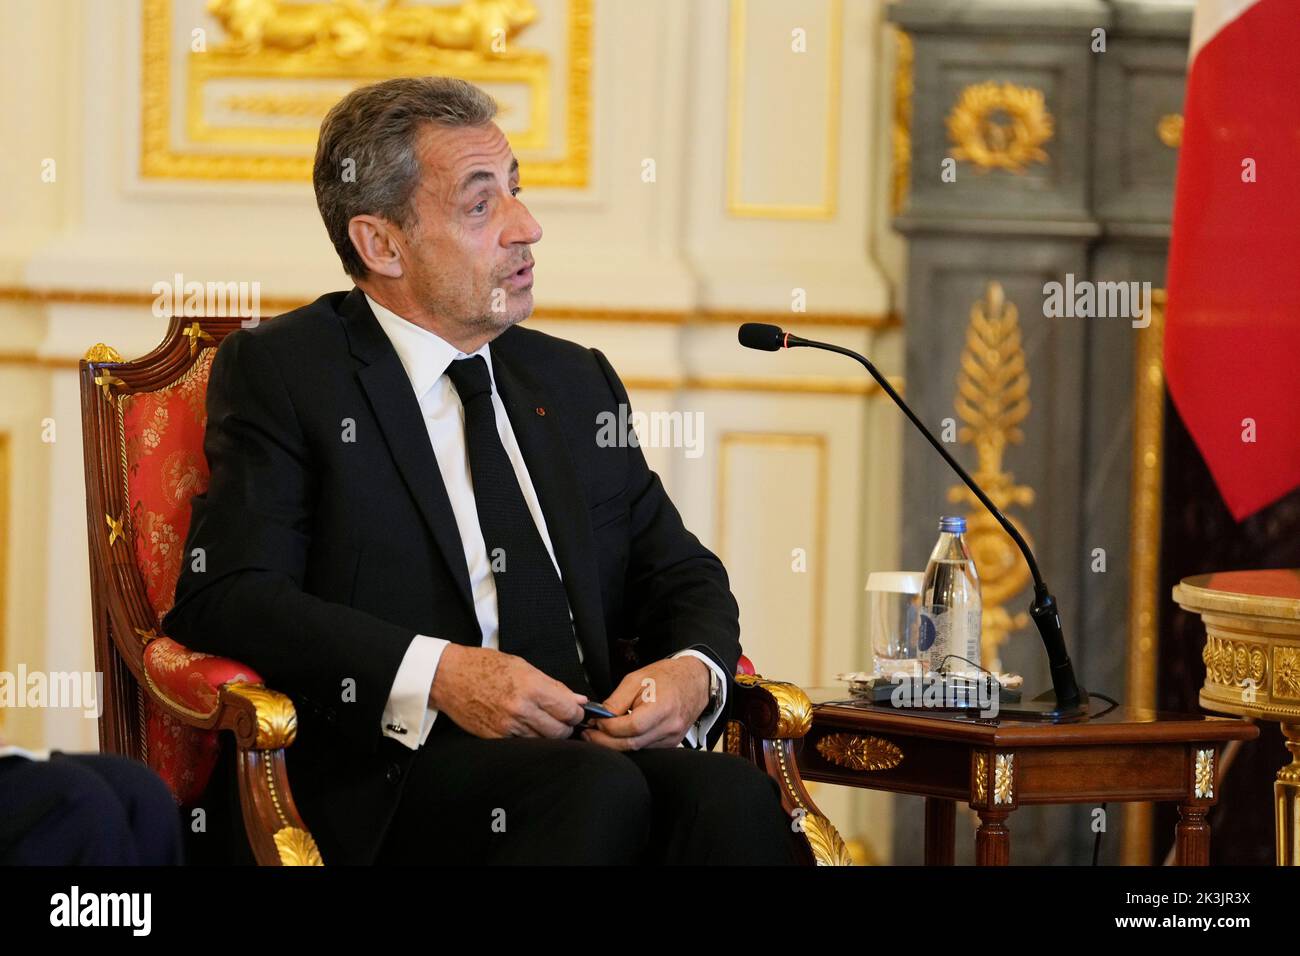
[378, 243]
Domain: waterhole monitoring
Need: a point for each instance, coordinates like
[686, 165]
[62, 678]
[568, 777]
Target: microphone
[1067, 699]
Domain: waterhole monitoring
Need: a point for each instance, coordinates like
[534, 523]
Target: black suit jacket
[329, 541]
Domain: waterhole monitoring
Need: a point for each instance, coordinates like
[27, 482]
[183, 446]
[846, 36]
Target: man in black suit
[440, 550]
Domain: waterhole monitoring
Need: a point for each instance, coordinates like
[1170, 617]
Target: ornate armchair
[142, 428]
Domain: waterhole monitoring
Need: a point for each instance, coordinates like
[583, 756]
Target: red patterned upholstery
[165, 467]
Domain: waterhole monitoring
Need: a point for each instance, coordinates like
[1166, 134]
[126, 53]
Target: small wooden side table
[1252, 667]
[998, 765]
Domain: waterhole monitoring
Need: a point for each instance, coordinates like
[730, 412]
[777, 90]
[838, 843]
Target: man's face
[468, 257]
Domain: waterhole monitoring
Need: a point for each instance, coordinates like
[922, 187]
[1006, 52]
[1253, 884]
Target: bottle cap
[952, 524]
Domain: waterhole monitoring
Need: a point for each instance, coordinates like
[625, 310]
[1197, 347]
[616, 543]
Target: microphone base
[1045, 708]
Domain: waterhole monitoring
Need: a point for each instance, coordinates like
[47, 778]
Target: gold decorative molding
[107, 383]
[980, 139]
[194, 332]
[731, 738]
[1247, 613]
[1003, 791]
[101, 353]
[738, 207]
[904, 83]
[297, 847]
[115, 532]
[794, 707]
[1145, 503]
[1231, 663]
[1004, 779]
[1170, 130]
[274, 305]
[993, 401]
[1286, 674]
[793, 385]
[817, 557]
[828, 847]
[340, 45]
[277, 721]
[860, 753]
[1204, 782]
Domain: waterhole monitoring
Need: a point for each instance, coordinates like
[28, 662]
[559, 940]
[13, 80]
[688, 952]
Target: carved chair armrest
[768, 721]
[216, 693]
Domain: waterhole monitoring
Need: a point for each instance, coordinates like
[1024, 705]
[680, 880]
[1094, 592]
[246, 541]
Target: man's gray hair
[366, 162]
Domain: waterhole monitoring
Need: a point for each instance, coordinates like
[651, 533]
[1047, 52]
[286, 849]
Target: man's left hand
[665, 698]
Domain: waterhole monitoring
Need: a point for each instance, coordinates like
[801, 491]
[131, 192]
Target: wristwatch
[715, 691]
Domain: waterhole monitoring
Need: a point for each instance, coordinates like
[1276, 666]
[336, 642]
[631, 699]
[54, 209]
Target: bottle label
[950, 637]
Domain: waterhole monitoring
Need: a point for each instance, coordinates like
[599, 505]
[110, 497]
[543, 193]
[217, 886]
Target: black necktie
[532, 608]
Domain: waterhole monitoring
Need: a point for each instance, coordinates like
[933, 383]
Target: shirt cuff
[697, 734]
[408, 700]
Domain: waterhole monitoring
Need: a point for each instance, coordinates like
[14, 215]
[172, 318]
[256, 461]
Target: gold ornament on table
[1204, 775]
[1004, 779]
[860, 753]
[1000, 126]
[992, 401]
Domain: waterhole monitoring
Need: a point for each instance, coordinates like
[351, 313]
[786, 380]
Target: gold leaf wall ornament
[1000, 126]
[993, 400]
[354, 28]
[247, 106]
[1170, 130]
[904, 83]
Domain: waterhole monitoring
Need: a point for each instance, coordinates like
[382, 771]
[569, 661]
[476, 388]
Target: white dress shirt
[425, 356]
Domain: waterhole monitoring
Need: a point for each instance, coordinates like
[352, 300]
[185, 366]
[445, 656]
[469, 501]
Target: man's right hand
[493, 694]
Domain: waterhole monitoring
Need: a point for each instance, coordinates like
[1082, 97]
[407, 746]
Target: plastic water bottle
[950, 603]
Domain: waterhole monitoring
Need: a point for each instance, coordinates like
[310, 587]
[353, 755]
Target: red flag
[1232, 317]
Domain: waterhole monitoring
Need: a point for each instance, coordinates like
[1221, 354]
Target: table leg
[1192, 836]
[940, 831]
[1286, 793]
[993, 839]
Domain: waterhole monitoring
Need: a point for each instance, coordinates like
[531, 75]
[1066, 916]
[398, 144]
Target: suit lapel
[550, 466]
[389, 389]
[555, 479]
